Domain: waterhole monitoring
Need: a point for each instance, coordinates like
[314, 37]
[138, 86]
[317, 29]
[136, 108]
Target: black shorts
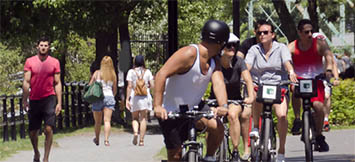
[40, 110]
[175, 131]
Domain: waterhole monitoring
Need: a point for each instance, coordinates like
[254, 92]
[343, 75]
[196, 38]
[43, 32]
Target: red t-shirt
[42, 76]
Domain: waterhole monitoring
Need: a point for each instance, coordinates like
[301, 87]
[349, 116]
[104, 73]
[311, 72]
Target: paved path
[80, 148]
[341, 147]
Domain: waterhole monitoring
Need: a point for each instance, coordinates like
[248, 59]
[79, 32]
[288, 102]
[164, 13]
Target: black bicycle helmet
[215, 31]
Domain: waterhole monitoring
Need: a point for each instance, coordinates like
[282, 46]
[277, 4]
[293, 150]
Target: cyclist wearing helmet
[233, 67]
[183, 80]
[269, 62]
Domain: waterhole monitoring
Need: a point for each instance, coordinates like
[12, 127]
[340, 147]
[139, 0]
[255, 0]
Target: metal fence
[75, 112]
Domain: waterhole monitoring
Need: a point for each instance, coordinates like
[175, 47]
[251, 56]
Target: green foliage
[10, 64]
[343, 103]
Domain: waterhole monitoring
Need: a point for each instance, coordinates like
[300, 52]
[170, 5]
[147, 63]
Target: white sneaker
[254, 133]
[280, 158]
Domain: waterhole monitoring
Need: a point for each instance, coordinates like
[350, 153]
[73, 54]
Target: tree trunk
[125, 61]
[106, 44]
[312, 11]
[287, 23]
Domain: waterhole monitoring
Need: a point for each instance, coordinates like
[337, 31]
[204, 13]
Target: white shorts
[141, 103]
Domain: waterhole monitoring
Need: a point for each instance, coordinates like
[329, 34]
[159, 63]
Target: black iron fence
[75, 112]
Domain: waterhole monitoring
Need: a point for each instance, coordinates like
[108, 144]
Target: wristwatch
[225, 105]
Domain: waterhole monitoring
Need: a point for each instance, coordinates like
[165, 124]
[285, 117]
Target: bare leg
[143, 125]
[327, 105]
[319, 117]
[296, 105]
[135, 126]
[98, 121]
[233, 118]
[48, 131]
[34, 141]
[107, 123]
[244, 119]
[257, 109]
[215, 135]
[174, 154]
[281, 113]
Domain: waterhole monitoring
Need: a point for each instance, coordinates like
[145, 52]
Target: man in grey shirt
[269, 62]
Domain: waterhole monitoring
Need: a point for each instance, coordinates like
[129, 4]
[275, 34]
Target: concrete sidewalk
[80, 148]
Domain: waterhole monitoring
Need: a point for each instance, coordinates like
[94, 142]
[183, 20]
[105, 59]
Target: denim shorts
[108, 102]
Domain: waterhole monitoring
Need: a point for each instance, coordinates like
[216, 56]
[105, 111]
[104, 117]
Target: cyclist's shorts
[284, 92]
[175, 131]
[320, 91]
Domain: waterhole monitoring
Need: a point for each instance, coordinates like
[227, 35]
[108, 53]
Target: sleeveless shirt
[307, 64]
[187, 88]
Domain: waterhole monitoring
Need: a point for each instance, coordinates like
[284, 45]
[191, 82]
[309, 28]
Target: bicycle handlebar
[213, 102]
[191, 114]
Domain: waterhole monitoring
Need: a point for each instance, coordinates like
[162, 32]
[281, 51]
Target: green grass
[7, 149]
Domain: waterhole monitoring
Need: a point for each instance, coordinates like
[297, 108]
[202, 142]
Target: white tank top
[187, 88]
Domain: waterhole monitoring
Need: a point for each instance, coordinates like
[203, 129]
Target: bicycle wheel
[266, 142]
[255, 154]
[192, 157]
[273, 143]
[307, 136]
[222, 151]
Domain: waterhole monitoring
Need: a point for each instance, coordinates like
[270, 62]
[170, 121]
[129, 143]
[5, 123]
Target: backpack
[141, 88]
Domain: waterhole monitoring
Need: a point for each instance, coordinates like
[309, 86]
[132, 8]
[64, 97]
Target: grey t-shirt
[269, 71]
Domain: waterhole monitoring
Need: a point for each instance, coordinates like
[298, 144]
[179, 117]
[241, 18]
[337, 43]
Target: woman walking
[139, 100]
[107, 77]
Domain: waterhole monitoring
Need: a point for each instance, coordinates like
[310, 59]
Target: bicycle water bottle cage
[269, 94]
[306, 88]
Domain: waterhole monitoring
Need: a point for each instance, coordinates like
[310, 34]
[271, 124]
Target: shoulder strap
[139, 76]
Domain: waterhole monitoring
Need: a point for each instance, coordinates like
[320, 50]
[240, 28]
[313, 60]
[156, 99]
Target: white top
[106, 87]
[132, 76]
[187, 88]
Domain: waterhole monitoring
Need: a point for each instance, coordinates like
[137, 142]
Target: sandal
[107, 143]
[135, 137]
[141, 142]
[96, 142]
[245, 157]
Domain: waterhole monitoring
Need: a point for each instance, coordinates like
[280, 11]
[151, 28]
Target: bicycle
[306, 89]
[264, 148]
[192, 150]
[224, 152]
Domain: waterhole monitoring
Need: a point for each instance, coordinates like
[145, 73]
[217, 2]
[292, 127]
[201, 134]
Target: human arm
[26, 89]
[114, 87]
[286, 57]
[128, 94]
[250, 88]
[324, 50]
[58, 92]
[335, 73]
[219, 89]
[181, 61]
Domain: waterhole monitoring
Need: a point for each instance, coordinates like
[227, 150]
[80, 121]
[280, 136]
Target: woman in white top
[139, 105]
[107, 76]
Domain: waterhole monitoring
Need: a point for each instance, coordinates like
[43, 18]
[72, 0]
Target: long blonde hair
[107, 70]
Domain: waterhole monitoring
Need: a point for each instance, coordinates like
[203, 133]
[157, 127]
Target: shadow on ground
[326, 158]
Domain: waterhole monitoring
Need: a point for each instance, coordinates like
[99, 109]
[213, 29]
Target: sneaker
[209, 159]
[245, 157]
[254, 133]
[235, 156]
[280, 158]
[297, 125]
[326, 127]
[321, 145]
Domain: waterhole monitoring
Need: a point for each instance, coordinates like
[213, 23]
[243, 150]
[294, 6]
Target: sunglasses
[308, 31]
[230, 45]
[263, 32]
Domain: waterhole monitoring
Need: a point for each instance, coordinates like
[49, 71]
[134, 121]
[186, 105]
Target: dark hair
[139, 61]
[44, 39]
[303, 22]
[94, 66]
[258, 23]
[266, 23]
[215, 31]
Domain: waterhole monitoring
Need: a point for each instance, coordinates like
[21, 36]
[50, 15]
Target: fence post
[66, 107]
[6, 128]
[13, 120]
[73, 105]
[22, 120]
[80, 107]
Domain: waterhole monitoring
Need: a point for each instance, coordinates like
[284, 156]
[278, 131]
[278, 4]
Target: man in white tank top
[183, 80]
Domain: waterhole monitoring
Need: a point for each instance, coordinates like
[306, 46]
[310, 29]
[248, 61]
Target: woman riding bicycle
[269, 62]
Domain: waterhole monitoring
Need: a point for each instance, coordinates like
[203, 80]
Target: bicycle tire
[254, 150]
[273, 143]
[306, 133]
[265, 153]
[222, 151]
[192, 157]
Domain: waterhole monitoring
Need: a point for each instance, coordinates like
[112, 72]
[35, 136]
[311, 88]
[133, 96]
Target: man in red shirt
[307, 53]
[42, 75]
